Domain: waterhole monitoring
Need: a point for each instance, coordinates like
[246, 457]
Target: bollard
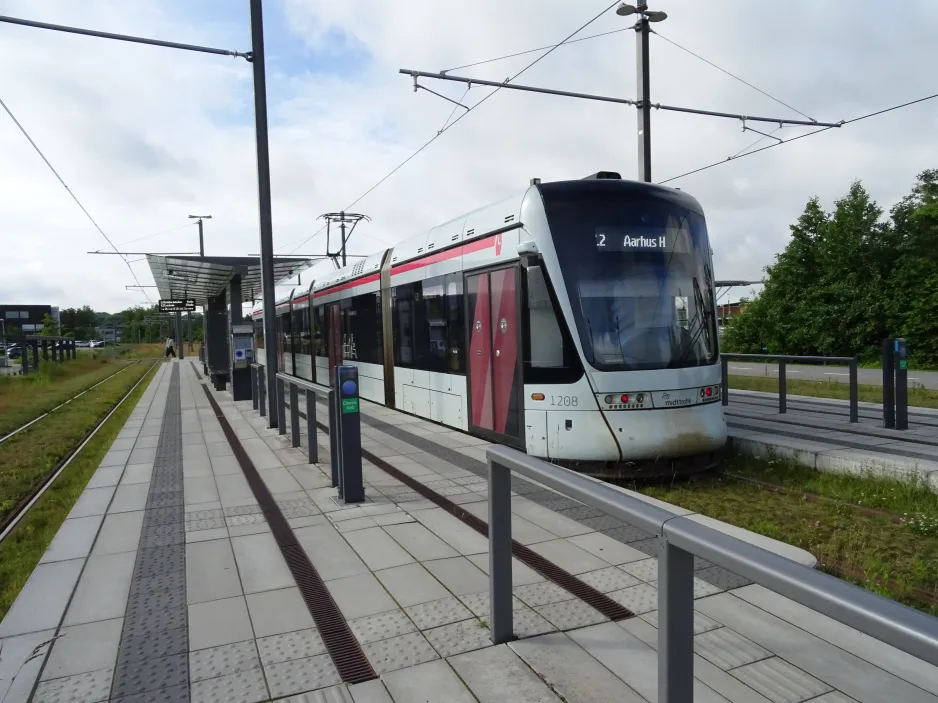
[724, 368]
[902, 385]
[294, 415]
[854, 392]
[312, 434]
[782, 386]
[281, 408]
[262, 392]
[254, 389]
[889, 384]
[675, 623]
[334, 437]
[351, 488]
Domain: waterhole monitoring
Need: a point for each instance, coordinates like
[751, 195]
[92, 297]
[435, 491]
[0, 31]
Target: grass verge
[27, 457]
[843, 522]
[918, 397]
[23, 548]
[23, 398]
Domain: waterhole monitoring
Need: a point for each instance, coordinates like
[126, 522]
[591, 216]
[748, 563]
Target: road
[870, 377]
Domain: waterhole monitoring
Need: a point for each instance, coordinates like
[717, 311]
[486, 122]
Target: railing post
[294, 415]
[675, 624]
[782, 386]
[500, 610]
[262, 391]
[312, 433]
[281, 408]
[253, 386]
[854, 392]
[333, 439]
[724, 368]
[902, 385]
[889, 384]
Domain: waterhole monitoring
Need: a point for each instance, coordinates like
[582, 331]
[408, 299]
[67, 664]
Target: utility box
[242, 356]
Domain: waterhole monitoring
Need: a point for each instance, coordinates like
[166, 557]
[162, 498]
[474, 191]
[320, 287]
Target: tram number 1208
[567, 401]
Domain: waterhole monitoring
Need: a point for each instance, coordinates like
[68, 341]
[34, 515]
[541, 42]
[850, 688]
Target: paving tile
[224, 465]
[411, 584]
[73, 540]
[130, 498]
[150, 678]
[728, 649]
[361, 595]
[329, 552]
[542, 593]
[701, 622]
[359, 523]
[377, 549]
[299, 675]
[431, 682]
[373, 628]
[608, 579]
[104, 476]
[478, 603]
[137, 473]
[18, 661]
[218, 661]
[92, 686]
[570, 614]
[645, 570]
[438, 612]
[548, 519]
[527, 623]
[199, 490]
[153, 644]
[417, 539]
[246, 686]
[84, 648]
[102, 589]
[399, 652]
[630, 535]
[260, 563]
[92, 501]
[459, 637]
[721, 578]
[639, 599]
[290, 645]
[571, 672]
[779, 681]
[454, 532]
[608, 549]
[497, 674]
[116, 457]
[43, 598]
[218, 622]
[459, 575]
[276, 612]
[521, 573]
[568, 556]
[211, 572]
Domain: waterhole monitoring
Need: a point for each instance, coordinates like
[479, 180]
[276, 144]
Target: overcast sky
[145, 136]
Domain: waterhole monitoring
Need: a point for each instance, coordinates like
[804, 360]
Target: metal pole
[854, 392]
[782, 386]
[644, 95]
[889, 384]
[342, 223]
[263, 196]
[281, 407]
[725, 380]
[675, 624]
[902, 385]
[179, 335]
[500, 609]
[254, 377]
[294, 415]
[261, 394]
[201, 240]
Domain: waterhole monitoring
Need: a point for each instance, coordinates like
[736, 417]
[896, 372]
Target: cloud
[146, 136]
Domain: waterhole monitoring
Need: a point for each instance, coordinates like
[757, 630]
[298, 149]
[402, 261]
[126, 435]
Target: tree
[849, 278]
[49, 326]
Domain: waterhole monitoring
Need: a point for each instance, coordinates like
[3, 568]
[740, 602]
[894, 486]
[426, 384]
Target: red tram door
[494, 360]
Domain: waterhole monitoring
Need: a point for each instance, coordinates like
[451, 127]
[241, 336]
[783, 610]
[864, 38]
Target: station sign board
[177, 305]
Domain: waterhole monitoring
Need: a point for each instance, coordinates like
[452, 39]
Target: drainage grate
[586, 593]
[347, 655]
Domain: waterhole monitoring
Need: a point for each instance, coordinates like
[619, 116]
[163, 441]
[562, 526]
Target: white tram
[574, 321]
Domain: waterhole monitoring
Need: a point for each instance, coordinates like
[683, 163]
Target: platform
[816, 432]
[168, 582]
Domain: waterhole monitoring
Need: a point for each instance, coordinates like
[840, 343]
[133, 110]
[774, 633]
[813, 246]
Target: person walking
[170, 349]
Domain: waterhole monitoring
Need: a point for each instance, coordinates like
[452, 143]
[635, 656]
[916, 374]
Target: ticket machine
[242, 356]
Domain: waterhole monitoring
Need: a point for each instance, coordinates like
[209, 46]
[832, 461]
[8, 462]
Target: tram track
[11, 520]
[32, 422]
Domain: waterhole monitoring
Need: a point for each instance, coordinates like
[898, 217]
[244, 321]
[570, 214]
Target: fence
[680, 539]
[783, 360]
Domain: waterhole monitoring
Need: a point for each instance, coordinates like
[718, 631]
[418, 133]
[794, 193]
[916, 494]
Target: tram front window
[637, 271]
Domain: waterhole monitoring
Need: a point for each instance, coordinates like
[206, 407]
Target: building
[27, 318]
[727, 311]
[112, 334]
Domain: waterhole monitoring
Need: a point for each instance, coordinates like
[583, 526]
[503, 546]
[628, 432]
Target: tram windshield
[637, 270]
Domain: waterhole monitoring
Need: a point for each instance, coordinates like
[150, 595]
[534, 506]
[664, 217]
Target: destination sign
[177, 305]
[649, 239]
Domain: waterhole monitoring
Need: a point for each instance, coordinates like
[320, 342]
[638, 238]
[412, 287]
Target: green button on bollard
[349, 405]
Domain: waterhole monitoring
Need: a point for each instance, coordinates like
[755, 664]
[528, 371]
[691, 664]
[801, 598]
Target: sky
[145, 136]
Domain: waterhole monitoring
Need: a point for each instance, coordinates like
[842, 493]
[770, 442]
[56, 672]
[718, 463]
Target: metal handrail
[783, 360]
[311, 390]
[680, 539]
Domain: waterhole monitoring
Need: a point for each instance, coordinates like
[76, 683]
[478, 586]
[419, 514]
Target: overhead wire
[469, 111]
[69, 190]
[729, 73]
[801, 136]
[154, 234]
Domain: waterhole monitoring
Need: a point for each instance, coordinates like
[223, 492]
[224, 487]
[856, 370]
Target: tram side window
[552, 358]
[301, 331]
[428, 325]
[284, 328]
[321, 332]
[259, 332]
[362, 338]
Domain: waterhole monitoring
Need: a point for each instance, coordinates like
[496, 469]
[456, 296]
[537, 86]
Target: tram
[575, 321]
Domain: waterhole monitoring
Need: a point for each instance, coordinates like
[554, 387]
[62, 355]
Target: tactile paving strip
[153, 660]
